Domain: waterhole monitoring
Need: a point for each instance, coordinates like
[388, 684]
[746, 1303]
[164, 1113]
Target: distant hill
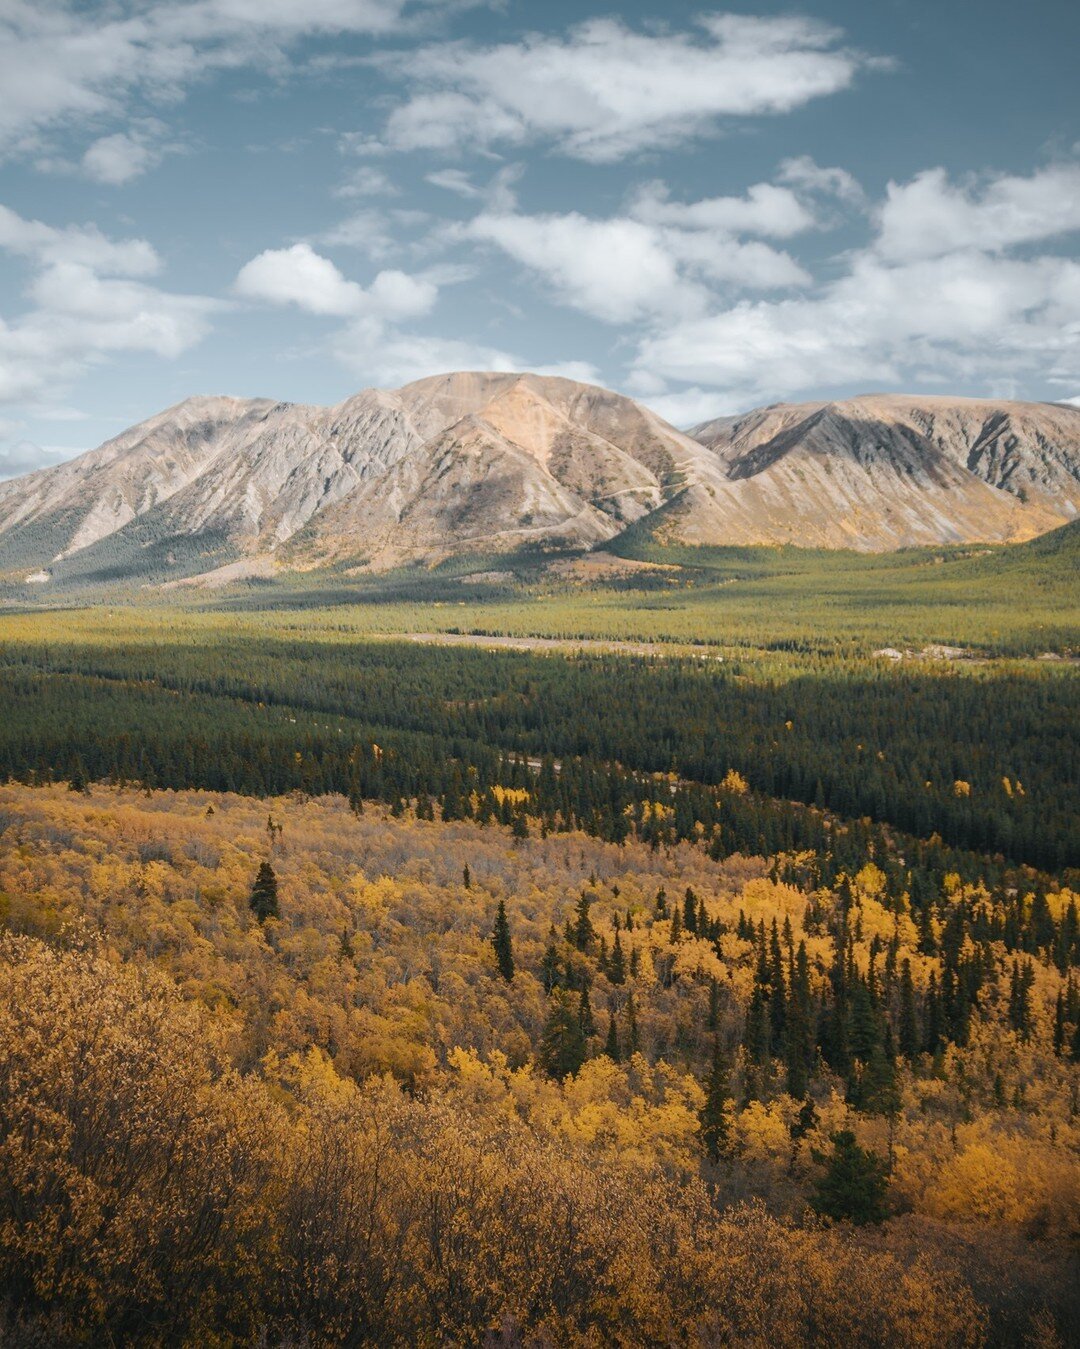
[483, 463]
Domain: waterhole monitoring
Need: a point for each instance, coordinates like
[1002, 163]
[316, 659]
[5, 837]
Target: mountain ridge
[491, 462]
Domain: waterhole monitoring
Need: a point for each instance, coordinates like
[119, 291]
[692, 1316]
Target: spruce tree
[264, 894]
[500, 939]
[585, 1012]
[756, 1032]
[550, 964]
[909, 1026]
[616, 971]
[584, 934]
[562, 1045]
[714, 1124]
[633, 1037]
[611, 1044]
[800, 1031]
[855, 1185]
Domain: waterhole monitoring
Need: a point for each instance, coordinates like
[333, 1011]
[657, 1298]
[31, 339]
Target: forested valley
[359, 991]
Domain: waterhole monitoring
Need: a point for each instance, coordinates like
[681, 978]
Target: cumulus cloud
[371, 342]
[616, 270]
[302, 277]
[119, 158]
[936, 297]
[606, 91]
[88, 300]
[803, 174]
[930, 216]
[661, 258]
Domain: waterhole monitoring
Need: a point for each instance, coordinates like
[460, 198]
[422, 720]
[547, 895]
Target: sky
[706, 209]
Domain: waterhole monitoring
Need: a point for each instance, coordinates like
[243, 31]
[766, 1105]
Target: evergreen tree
[800, 1030]
[585, 1012]
[611, 1044]
[756, 1031]
[264, 894]
[855, 1184]
[500, 939]
[616, 971]
[1021, 983]
[909, 1026]
[714, 1124]
[932, 1033]
[1059, 1024]
[633, 1036]
[551, 962]
[584, 934]
[562, 1046]
[77, 778]
[690, 911]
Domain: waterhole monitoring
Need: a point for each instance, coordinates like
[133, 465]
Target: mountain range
[477, 463]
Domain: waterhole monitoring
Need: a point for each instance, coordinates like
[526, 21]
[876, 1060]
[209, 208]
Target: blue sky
[705, 208]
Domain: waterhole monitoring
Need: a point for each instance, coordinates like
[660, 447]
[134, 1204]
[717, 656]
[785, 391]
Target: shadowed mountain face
[482, 463]
[888, 471]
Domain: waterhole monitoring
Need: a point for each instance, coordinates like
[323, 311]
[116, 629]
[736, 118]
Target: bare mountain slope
[475, 462]
[889, 471]
[457, 462]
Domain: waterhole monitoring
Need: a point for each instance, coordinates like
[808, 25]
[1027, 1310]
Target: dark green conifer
[715, 1127]
[633, 1036]
[611, 1044]
[562, 1046]
[616, 971]
[584, 934]
[854, 1187]
[264, 894]
[501, 940]
[909, 1025]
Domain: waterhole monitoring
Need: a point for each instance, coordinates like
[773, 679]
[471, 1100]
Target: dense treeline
[984, 761]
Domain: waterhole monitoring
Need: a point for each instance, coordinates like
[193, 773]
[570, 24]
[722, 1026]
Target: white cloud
[62, 65]
[83, 244]
[366, 181]
[935, 298]
[88, 301]
[930, 216]
[389, 358]
[300, 276]
[803, 174]
[369, 231]
[688, 407]
[25, 457]
[583, 372]
[118, 158]
[456, 181]
[766, 209]
[661, 259]
[616, 270]
[606, 91]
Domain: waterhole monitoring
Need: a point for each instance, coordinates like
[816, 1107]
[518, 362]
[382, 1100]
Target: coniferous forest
[367, 991]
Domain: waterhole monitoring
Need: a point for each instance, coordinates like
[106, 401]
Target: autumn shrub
[151, 1195]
